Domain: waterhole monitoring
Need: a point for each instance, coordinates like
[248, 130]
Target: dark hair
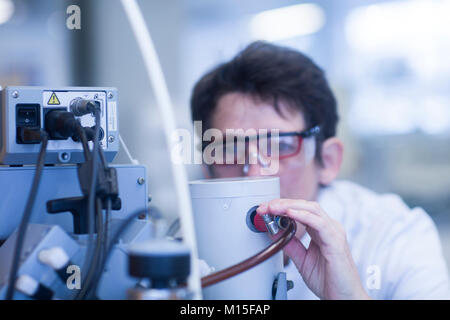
[270, 73]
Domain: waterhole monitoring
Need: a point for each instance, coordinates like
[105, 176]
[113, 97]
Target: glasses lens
[289, 145]
[237, 153]
[280, 146]
[242, 151]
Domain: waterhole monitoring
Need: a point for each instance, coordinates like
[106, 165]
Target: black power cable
[63, 124]
[95, 267]
[98, 272]
[84, 142]
[114, 239]
[90, 293]
[89, 257]
[26, 216]
[97, 253]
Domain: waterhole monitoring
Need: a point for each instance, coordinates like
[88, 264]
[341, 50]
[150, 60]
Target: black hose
[97, 253]
[95, 266]
[115, 238]
[90, 294]
[26, 216]
[84, 142]
[91, 197]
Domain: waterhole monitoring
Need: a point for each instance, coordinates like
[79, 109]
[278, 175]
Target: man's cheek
[290, 183]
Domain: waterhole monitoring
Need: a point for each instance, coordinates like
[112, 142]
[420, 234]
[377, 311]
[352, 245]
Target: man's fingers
[263, 208]
[306, 218]
[306, 213]
[322, 230]
[279, 206]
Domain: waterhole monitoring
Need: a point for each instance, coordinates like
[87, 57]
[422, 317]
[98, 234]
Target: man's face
[299, 179]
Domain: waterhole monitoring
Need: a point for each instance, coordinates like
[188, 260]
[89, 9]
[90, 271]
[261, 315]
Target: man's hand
[327, 265]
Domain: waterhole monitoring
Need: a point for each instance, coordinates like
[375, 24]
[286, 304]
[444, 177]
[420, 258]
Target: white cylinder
[220, 214]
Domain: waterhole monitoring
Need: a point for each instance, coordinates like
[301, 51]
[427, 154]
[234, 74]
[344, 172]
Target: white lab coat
[396, 249]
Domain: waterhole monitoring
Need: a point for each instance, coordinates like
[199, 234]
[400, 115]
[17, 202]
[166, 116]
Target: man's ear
[332, 154]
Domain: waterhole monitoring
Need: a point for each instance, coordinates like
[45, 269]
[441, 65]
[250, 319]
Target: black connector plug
[80, 106]
[29, 135]
[60, 124]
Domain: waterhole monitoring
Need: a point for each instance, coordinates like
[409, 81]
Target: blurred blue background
[387, 61]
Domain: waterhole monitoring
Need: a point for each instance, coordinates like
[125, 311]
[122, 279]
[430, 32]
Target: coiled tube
[258, 258]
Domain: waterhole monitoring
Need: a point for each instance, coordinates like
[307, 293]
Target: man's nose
[255, 162]
[252, 170]
[253, 167]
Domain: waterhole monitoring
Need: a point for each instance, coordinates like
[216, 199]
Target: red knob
[259, 224]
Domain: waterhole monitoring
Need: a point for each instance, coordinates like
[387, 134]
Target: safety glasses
[232, 158]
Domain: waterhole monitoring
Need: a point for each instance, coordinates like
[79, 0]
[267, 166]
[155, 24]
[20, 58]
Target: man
[351, 243]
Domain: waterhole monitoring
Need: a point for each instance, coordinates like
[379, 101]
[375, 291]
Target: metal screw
[141, 180]
[15, 94]
[111, 139]
[110, 95]
[290, 284]
[96, 96]
[65, 156]
[142, 216]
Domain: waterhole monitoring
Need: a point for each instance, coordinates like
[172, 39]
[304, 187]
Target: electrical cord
[27, 215]
[84, 142]
[44, 137]
[258, 258]
[96, 266]
[115, 238]
[91, 197]
[102, 158]
[97, 254]
[98, 273]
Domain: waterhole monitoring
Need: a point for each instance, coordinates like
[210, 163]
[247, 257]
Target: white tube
[127, 152]
[161, 92]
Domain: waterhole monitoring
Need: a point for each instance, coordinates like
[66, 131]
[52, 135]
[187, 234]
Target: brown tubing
[254, 260]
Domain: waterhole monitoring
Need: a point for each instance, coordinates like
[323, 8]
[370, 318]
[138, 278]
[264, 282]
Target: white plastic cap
[27, 285]
[55, 257]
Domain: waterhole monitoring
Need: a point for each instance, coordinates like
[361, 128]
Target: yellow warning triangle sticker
[53, 100]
